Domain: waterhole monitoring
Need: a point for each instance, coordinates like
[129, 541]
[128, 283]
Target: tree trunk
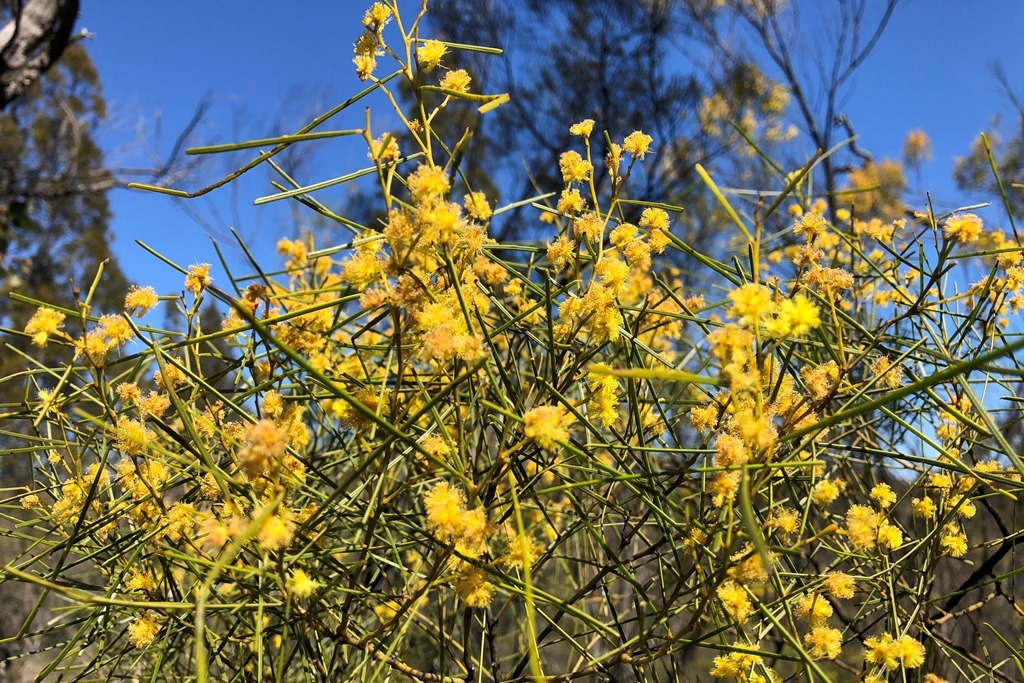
[31, 42]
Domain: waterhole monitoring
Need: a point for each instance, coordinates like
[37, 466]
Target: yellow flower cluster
[604, 402]
[547, 425]
[301, 585]
[894, 652]
[143, 630]
[45, 323]
[965, 228]
[449, 519]
[140, 300]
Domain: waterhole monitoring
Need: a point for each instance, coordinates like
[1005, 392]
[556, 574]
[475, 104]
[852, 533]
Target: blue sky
[272, 62]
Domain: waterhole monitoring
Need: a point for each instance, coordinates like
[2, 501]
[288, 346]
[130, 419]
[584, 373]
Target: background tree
[54, 179]
[815, 50]
[625, 64]
[701, 77]
[54, 211]
[974, 171]
[54, 230]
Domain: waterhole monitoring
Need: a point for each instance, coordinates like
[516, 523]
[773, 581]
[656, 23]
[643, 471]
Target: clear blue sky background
[930, 71]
